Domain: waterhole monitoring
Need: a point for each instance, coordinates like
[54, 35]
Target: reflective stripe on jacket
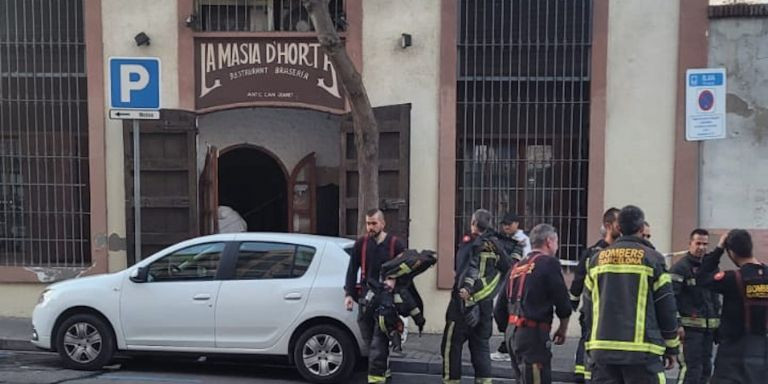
[698, 306]
[629, 304]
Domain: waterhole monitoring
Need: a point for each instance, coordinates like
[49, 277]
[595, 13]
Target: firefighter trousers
[743, 361]
[378, 346]
[696, 356]
[456, 333]
[651, 373]
[581, 368]
[532, 352]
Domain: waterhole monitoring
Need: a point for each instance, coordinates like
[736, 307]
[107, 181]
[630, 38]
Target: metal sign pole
[136, 194]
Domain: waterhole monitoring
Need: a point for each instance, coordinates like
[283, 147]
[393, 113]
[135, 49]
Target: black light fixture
[405, 40]
[141, 39]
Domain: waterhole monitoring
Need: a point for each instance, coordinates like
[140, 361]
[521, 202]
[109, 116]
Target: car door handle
[201, 297]
[293, 296]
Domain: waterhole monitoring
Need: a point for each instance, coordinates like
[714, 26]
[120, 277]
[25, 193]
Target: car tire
[85, 342]
[325, 354]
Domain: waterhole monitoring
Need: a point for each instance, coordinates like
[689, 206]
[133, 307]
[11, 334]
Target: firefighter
[480, 264]
[742, 353]
[610, 234]
[514, 245]
[536, 292]
[629, 308]
[699, 311]
[369, 253]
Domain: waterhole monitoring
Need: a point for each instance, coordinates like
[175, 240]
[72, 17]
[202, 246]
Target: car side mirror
[140, 275]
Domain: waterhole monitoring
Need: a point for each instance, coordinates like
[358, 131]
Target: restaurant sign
[265, 71]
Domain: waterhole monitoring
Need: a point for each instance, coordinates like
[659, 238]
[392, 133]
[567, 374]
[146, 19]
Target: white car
[244, 293]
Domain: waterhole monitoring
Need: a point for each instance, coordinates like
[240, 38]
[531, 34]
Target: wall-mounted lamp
[191, 21]
[405, 40]
[141, 39]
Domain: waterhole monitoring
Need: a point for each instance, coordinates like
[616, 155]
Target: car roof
[291, 237]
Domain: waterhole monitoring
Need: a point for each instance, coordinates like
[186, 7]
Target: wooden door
[209, 193]
[394, 162]
[301, 200]
[168, 174]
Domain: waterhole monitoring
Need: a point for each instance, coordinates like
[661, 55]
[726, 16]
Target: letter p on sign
[134, 82]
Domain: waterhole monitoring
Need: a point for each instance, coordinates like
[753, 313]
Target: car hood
[88, 280]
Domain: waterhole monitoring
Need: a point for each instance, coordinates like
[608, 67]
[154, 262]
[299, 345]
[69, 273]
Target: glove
[472, 315]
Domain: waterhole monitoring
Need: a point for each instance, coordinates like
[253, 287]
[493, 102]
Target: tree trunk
[363, 120]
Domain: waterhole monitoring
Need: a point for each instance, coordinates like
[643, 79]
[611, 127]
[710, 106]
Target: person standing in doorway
[369, 253]
[480, 264]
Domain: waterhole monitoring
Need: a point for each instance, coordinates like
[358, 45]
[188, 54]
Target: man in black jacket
[742, 355]
[480, 264]
[536, 292]
[611, 233]
[699, 311]
[370, 252]
[629, 308]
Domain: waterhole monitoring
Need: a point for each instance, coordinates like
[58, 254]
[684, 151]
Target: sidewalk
[420, 354]
[15, 333]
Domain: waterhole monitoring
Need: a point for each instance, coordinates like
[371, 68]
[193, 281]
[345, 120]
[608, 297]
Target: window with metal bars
[523, 113]
[259, 15]
[44, 189]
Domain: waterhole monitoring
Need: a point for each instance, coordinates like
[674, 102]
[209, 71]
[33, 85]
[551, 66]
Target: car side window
[263, 260]
[198, 262]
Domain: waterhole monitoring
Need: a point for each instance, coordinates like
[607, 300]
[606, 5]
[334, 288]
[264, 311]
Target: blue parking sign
[134, 83]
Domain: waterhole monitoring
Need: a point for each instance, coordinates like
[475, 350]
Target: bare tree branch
[364, 122]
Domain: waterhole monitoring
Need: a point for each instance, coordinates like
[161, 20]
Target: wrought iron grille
[523, 113]
[259, 15]
[44, 194]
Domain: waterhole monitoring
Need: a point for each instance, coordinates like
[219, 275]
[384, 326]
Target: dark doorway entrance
[253, 182]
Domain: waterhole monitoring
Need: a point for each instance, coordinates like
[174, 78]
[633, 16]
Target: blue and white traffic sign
[705, 104]
[134, 83]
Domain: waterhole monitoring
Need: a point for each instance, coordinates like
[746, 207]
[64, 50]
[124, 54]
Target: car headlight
[44, 296]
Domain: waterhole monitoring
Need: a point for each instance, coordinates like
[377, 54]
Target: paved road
[44, 368]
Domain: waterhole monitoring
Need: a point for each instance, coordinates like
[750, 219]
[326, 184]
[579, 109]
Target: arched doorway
[253, 182]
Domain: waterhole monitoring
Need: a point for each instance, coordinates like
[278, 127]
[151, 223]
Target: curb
[17, 345]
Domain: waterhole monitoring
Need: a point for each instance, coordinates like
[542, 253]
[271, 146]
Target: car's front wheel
[325, 354]
[85, 342]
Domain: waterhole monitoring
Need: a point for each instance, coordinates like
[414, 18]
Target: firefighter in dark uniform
[480, 264]
[630, 309]
[698, 309]
[370, 252]
[742, 353]
[514, 248]
[611, 229]
[536, 292]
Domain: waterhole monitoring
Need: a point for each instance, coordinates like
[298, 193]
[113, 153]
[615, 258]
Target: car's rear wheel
[325, 354]
[85, 342]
